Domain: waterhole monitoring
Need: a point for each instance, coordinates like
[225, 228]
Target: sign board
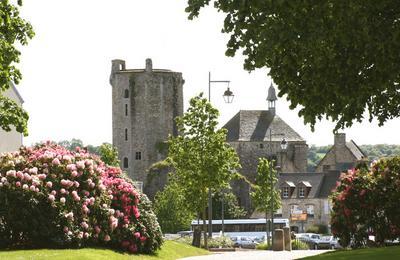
[298, 217]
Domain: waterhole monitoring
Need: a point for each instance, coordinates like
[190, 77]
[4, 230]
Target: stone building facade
[11, 141]
[145, 103]
[341, 156]
[249, 135]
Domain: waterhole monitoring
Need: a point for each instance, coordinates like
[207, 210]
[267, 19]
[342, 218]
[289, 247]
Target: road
[259, 255]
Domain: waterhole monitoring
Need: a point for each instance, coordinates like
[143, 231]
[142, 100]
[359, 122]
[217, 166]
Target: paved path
[259, 255]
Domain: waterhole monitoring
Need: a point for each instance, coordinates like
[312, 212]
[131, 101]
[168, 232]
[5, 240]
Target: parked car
[327, 242]
[244, 242]
[310, 239]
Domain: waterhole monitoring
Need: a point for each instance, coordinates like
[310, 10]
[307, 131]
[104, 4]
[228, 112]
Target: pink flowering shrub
[365, 203]
[51, 197]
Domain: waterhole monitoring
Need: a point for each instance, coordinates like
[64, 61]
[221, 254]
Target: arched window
[126, 93]
[126, 134]
[126, 163]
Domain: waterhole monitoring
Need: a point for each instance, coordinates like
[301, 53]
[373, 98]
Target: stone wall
[147, 114]
[294, 159]
[321, 211]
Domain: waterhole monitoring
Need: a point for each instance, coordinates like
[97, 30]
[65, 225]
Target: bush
[52, 197]
[263, 246]
[223, 242]
[319, 229]
[365, 203]
[299, 245]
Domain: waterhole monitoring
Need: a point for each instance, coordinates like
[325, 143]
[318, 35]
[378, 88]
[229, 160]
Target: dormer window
[285, 192]
[287, 189]
[303, 189]
[302, 192]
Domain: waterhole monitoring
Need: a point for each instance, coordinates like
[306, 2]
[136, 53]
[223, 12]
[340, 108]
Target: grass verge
[170, 250]
[383, 253]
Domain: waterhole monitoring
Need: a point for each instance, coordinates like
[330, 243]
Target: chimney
[149, 65]
[340, 139]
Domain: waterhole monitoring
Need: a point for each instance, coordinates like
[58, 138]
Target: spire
[271, 99]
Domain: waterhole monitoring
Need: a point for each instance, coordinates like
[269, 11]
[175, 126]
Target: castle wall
[155, 99]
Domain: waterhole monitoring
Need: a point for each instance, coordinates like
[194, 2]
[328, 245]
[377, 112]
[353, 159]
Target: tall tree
[13, 31]
[202, 159]
[332, 58]
[265, 190]
[171, 209]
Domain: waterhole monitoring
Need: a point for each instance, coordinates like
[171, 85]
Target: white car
[244, 242]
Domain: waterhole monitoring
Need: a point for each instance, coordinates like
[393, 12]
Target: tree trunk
[267, 227]
[205, 228]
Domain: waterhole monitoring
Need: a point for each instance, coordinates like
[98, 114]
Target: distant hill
[316, 153]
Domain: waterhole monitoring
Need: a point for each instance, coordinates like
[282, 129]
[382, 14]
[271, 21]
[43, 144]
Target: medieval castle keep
[145, 103]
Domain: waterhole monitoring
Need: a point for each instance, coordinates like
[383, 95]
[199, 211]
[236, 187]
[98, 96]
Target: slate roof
[254, 125]
[321, 183]
[355, 150]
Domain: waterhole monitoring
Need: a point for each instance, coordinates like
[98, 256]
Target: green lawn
[383, 253]
[170, 250]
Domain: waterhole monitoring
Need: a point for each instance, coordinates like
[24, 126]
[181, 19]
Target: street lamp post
[228, 98]
[283, 147]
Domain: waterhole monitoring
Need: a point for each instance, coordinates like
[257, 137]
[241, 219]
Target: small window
[126, 134]
[126, 93]
[302, 192]
[138, 156]
[310, 210]
[126, 109]
[126, 163]
[261, 146]
[285, 192]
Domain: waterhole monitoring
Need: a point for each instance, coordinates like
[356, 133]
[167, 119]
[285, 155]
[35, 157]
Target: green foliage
[332, 58]
[214, 242]
[299, 245]
[264, 191]
[232, 210]
[14, 31]
[160, 165]
[263, 246]
[171, 211]
[265, 187]
[318, 228]
[366, 203]
[223, 242]
[109, 154]
[202, 159]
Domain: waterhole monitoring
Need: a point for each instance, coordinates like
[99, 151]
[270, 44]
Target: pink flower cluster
[94, 200]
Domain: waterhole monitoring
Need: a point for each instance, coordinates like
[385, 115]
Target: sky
[66, 67]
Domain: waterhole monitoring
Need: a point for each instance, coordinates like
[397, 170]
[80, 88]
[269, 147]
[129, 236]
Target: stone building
[341, 156]
[145, 103]
[305, 199]
[249, 135]
[11, 141]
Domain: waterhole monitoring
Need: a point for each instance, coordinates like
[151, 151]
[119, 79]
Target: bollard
[278, 240]
[287, 238]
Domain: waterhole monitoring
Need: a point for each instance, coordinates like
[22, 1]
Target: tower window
[126, 134]
[126, 109]
[126, 163]
[126, 93]
[138, 156]
[261, 146]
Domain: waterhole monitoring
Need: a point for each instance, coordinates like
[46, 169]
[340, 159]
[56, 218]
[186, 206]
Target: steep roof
[355, 150]
[321, 183]
[254, 125]
[13, 89]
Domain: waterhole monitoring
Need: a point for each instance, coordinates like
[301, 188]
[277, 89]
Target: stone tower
[145, 103]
